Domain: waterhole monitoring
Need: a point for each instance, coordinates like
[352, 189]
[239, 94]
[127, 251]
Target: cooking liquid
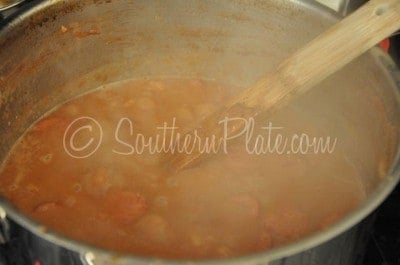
[228, 205]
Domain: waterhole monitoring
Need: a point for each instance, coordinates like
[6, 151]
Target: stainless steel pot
[7, 4]
[59, 49]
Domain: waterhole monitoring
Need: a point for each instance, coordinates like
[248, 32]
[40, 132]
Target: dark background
[384, 241]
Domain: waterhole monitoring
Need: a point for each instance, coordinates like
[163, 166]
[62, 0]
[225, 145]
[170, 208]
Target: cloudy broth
[116, 193]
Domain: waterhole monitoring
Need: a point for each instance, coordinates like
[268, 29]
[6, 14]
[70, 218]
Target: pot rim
[11, 5]
[318, 238]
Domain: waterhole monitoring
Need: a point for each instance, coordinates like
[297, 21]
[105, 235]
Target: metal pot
[56, 50]
[7, 4]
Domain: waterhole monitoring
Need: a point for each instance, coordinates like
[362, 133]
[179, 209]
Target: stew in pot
[119, 196]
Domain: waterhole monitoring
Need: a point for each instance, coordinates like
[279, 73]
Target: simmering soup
[88, 170]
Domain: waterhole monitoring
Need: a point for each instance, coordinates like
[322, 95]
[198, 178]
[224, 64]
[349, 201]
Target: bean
[265, 241]
[239, 210]
[44, 207]
[196, 84]
[46, 159]
[129, 103]
[224, 251]
[184, 115]
[286, 225]
[247, 204]
[146, 103]
[154, 229]
[49, 123]
[172, 182]
[13, 187]
[161, 201]
[32, 188]
[64, 29]
[77, 187]
[203, 110]
[98, 183]
[201, 237]
[72, 110]
[156, 85]
[125, 207]
[383, 167]
[70, 201]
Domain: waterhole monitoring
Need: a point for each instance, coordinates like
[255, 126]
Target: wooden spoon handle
[326, 54]
[323, 56]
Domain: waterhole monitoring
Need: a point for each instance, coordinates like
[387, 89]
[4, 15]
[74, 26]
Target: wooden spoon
[311, 64]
